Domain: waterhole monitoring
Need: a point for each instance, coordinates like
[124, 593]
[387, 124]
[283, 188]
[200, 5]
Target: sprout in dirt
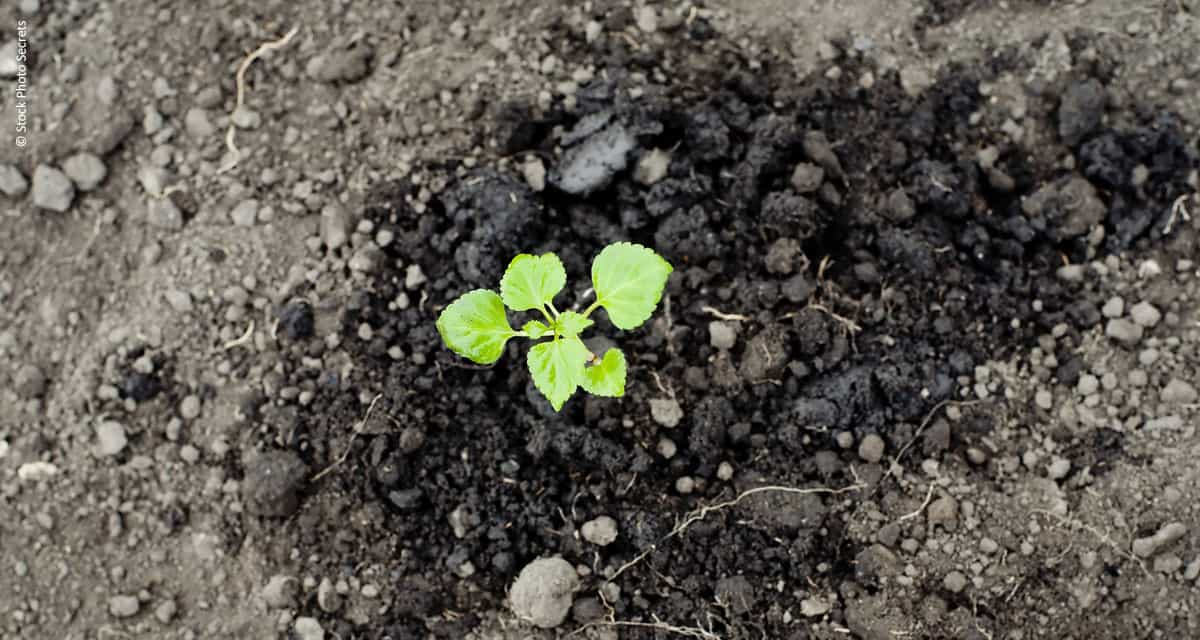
[628, 281]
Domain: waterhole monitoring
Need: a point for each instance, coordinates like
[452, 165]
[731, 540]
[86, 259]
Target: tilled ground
[925, 366]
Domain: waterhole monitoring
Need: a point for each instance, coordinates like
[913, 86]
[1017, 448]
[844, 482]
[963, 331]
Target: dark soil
[869, 300]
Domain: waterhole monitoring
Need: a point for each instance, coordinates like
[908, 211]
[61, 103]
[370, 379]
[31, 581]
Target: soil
[925, 367]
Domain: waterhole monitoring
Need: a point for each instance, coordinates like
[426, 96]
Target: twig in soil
[1102, 537]
[851, 327]
[716, 313]
[235, 154]
[668, 391]
[920, 509]
[703, 512]
[687, 632]
[362, 424]
[891, 472]
[1178, 209]
[243, 340]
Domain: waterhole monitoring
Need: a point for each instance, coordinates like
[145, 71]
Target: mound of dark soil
[864, 249]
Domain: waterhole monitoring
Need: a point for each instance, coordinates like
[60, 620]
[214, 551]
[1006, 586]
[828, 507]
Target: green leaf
[608, 377]
[629, 279]
[536, 329]
[475, 326]
[572, 324]
[557, 368]
[532, 281]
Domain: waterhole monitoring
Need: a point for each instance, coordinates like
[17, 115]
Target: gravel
[1145, 314]
[871, 448]
[29, 381]
[308, 629]
[281, 592]
[347, 65]
[807, 177]
[1114, 308]
[955, 582]
[1124, 331]
[722, 335]
[335, 225]
[1167, 534]
[600, 531]
[12, 182]
[652, 167]
[86, 170]
[123, 606]
[544, 591]
[1179, 391]
[164, 214]
[666, 412]
[110, 438]
[245, 213]
[52, 189]
[189, 407]
[197, 124]
[179, 300]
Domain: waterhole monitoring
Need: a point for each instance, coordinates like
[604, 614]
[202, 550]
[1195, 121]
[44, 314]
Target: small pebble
[722, 335]
[52, 189]
[1145, 314]
[600, 531]
[666, 412]
[871, 448]
[123, 606]
[245, 213]
[86, 170]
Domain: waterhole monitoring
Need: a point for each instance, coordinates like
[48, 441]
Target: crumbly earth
[927, 366]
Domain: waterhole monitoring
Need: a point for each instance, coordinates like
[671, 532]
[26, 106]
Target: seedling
[628, 281]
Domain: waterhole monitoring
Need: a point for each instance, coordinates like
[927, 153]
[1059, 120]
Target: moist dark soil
[869, 247]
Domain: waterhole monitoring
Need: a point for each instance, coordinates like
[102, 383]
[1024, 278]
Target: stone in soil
[110, 438]
[592, 165]
[722, 335]
[29, 381]
[308, 629]
[273, 483]
[600, 531]
[244, 213]
[346, 65]
[544, 591]
[12, 183]
[52, 189]
[1123, 331]
[123, 606]
[281, 592]
[1145, 314]
[86, 170]
[666, 412]
[163, 213]
[1179, 391]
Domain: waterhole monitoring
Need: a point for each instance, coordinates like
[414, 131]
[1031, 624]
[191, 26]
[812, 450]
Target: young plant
[628, 281]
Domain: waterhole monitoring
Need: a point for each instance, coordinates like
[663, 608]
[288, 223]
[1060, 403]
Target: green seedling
[628, 281]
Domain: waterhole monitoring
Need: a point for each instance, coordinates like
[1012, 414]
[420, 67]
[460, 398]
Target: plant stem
[547, 314]
[552, 309]
[587, 312]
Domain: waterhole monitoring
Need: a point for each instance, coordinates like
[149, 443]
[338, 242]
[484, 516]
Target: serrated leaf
[629, 279]
[536, 329]
[607, 378]
[532, 281]
[475, 326]
[557, 368]
[570, 323]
